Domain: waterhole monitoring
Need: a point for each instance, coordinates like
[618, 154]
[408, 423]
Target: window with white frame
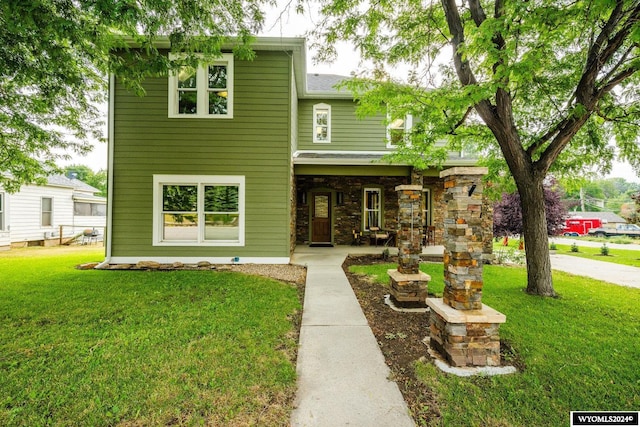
[426, 207]
[372, 208]
[203, 92]
[89, 209]
[46, 209]
[199, 210]
[2, 209]
[322, 123]
[398, 129]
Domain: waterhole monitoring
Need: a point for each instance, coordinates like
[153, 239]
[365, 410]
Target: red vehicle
[580, 226]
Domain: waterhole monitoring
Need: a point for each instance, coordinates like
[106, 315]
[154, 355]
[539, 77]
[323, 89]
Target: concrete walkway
[342, 375]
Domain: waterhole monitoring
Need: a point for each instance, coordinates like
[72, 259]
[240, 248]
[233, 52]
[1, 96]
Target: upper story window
[203, 92]
[322, 123]
[397, 131]
[198, 210]
[46, 209]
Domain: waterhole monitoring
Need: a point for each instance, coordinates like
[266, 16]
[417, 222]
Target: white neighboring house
[35, 215]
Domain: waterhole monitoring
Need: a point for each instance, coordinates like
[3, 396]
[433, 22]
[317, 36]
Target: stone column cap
[464, 170]
[451, 315]
[409, 187]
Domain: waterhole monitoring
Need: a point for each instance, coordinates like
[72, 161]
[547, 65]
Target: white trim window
[372, 208]
[89, 209]
[203, 92]
[2, 210]
[46, 211]
[198, 210]
[322, 124]
[426, 207]
[398, 130]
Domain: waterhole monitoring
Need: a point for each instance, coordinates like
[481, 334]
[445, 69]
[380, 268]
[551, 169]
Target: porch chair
[377, 234]
[430, 236]
[89, 235]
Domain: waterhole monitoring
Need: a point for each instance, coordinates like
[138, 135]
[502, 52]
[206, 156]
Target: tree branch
[461, 121]
[477, 12]
[617, 79]
[606, 45]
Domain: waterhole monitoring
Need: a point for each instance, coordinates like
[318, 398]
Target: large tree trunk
[534, 224]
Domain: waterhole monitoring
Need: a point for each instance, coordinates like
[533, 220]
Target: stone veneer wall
[348, 216]
[438, 205]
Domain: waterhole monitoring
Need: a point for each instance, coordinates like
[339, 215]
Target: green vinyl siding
[348, 132]
[255, 143]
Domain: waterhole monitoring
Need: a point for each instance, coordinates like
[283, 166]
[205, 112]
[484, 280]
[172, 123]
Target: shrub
[604, 250]
[574, 248]
[553, 246]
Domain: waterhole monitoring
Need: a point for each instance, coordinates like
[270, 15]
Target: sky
[280, 23]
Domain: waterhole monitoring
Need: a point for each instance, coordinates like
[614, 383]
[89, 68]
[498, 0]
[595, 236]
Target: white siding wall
[5, 235]
[25, 222]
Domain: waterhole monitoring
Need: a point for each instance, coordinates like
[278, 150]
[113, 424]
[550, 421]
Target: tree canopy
[88, 176]
[55, 56]
[507, 213]
[535, 87]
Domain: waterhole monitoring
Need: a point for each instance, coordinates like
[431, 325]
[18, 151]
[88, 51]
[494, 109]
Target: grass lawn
[581, 352]
[140, 347]
[618, 256]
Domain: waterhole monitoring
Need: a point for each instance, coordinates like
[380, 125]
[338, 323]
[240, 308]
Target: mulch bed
[399, 336]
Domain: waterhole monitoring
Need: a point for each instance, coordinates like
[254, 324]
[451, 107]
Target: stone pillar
[462, 329]
[463, 238]
[408, 283]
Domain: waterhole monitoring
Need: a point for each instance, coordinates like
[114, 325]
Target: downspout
[110, 132]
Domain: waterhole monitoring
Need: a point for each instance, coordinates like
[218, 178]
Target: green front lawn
[617, 256]
[581, 352]
[140, 347]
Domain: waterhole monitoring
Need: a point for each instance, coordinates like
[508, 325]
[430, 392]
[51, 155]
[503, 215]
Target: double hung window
[205, 91]
[198, 210]
[46, 212]
[322, 123]
[398, 131]
[372, 208]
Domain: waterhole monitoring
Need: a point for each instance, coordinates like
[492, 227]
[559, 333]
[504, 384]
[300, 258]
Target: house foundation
[408, 283]
[462, 329]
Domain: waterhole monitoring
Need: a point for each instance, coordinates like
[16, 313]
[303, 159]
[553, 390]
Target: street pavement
[601, 270]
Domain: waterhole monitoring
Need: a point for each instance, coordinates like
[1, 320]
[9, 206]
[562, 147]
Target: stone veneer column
[462, 329]
[408, 283]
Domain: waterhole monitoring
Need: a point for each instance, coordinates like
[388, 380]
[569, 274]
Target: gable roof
[325, 82]
[74, 183]
[604, 216]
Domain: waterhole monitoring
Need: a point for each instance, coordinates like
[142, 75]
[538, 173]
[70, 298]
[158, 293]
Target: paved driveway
[606, 271]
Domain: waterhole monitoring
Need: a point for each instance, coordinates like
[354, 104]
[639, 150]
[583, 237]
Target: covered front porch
[349, 205]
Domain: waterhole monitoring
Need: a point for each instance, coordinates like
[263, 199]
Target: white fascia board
[110, 142]
[348, 152]
[194, 260]
[345, 161]
[318, 94]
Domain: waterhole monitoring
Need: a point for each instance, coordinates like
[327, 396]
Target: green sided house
[240, 161]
